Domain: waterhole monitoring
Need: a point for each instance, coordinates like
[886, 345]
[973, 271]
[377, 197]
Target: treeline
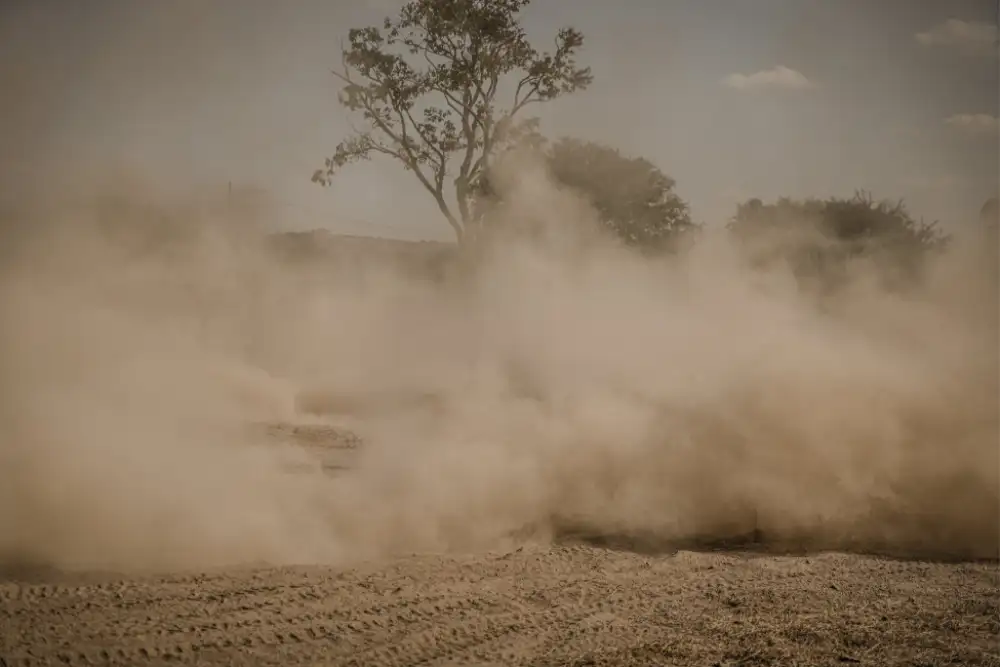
[443, 88]
[819, 240]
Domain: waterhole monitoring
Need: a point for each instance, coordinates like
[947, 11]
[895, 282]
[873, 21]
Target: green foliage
[632, 197]
[427, 86]
[819, 238]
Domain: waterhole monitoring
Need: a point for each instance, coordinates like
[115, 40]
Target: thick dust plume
[555, 383]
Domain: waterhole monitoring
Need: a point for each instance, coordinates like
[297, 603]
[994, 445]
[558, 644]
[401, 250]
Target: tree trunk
[456, 226]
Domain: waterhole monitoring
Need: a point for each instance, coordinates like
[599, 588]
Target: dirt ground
[555, 605]
[585, 600]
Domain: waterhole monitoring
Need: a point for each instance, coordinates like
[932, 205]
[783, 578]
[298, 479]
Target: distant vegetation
[442, 88]
[819, 239]
[632, 197]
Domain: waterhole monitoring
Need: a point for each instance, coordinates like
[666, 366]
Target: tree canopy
[429, 84]
[632, 197]
[818, 237]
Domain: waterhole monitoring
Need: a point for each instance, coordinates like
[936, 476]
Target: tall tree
[427, 85]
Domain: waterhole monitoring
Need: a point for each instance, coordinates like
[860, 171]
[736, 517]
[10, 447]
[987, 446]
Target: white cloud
[968, 37]
[780, 77]
[977, 123]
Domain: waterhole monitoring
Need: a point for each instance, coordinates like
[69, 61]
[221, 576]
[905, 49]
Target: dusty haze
[899, 100]
[563, 383]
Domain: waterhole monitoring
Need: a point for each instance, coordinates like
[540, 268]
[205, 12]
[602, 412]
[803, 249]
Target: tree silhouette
[631, 196]
[442, 117]
[819, 237]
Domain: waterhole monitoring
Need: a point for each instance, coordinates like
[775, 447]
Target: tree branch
[468, 48]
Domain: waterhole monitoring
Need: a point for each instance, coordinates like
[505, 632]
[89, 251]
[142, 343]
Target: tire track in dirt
[568, 605]
[541, 606]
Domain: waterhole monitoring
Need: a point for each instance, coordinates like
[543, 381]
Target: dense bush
[632, 197]
[820, 239]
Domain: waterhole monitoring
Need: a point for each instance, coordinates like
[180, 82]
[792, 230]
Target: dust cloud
[561, 382]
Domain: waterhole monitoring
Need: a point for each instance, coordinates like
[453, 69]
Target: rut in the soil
[533, 606]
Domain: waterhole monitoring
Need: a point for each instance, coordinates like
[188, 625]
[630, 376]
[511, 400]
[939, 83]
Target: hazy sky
[733, 98]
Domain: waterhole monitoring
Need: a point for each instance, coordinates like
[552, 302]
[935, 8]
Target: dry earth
[564, 604]
[561, 605]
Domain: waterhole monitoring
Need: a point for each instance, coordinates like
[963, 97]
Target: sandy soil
[558, 605]
[586, 600]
